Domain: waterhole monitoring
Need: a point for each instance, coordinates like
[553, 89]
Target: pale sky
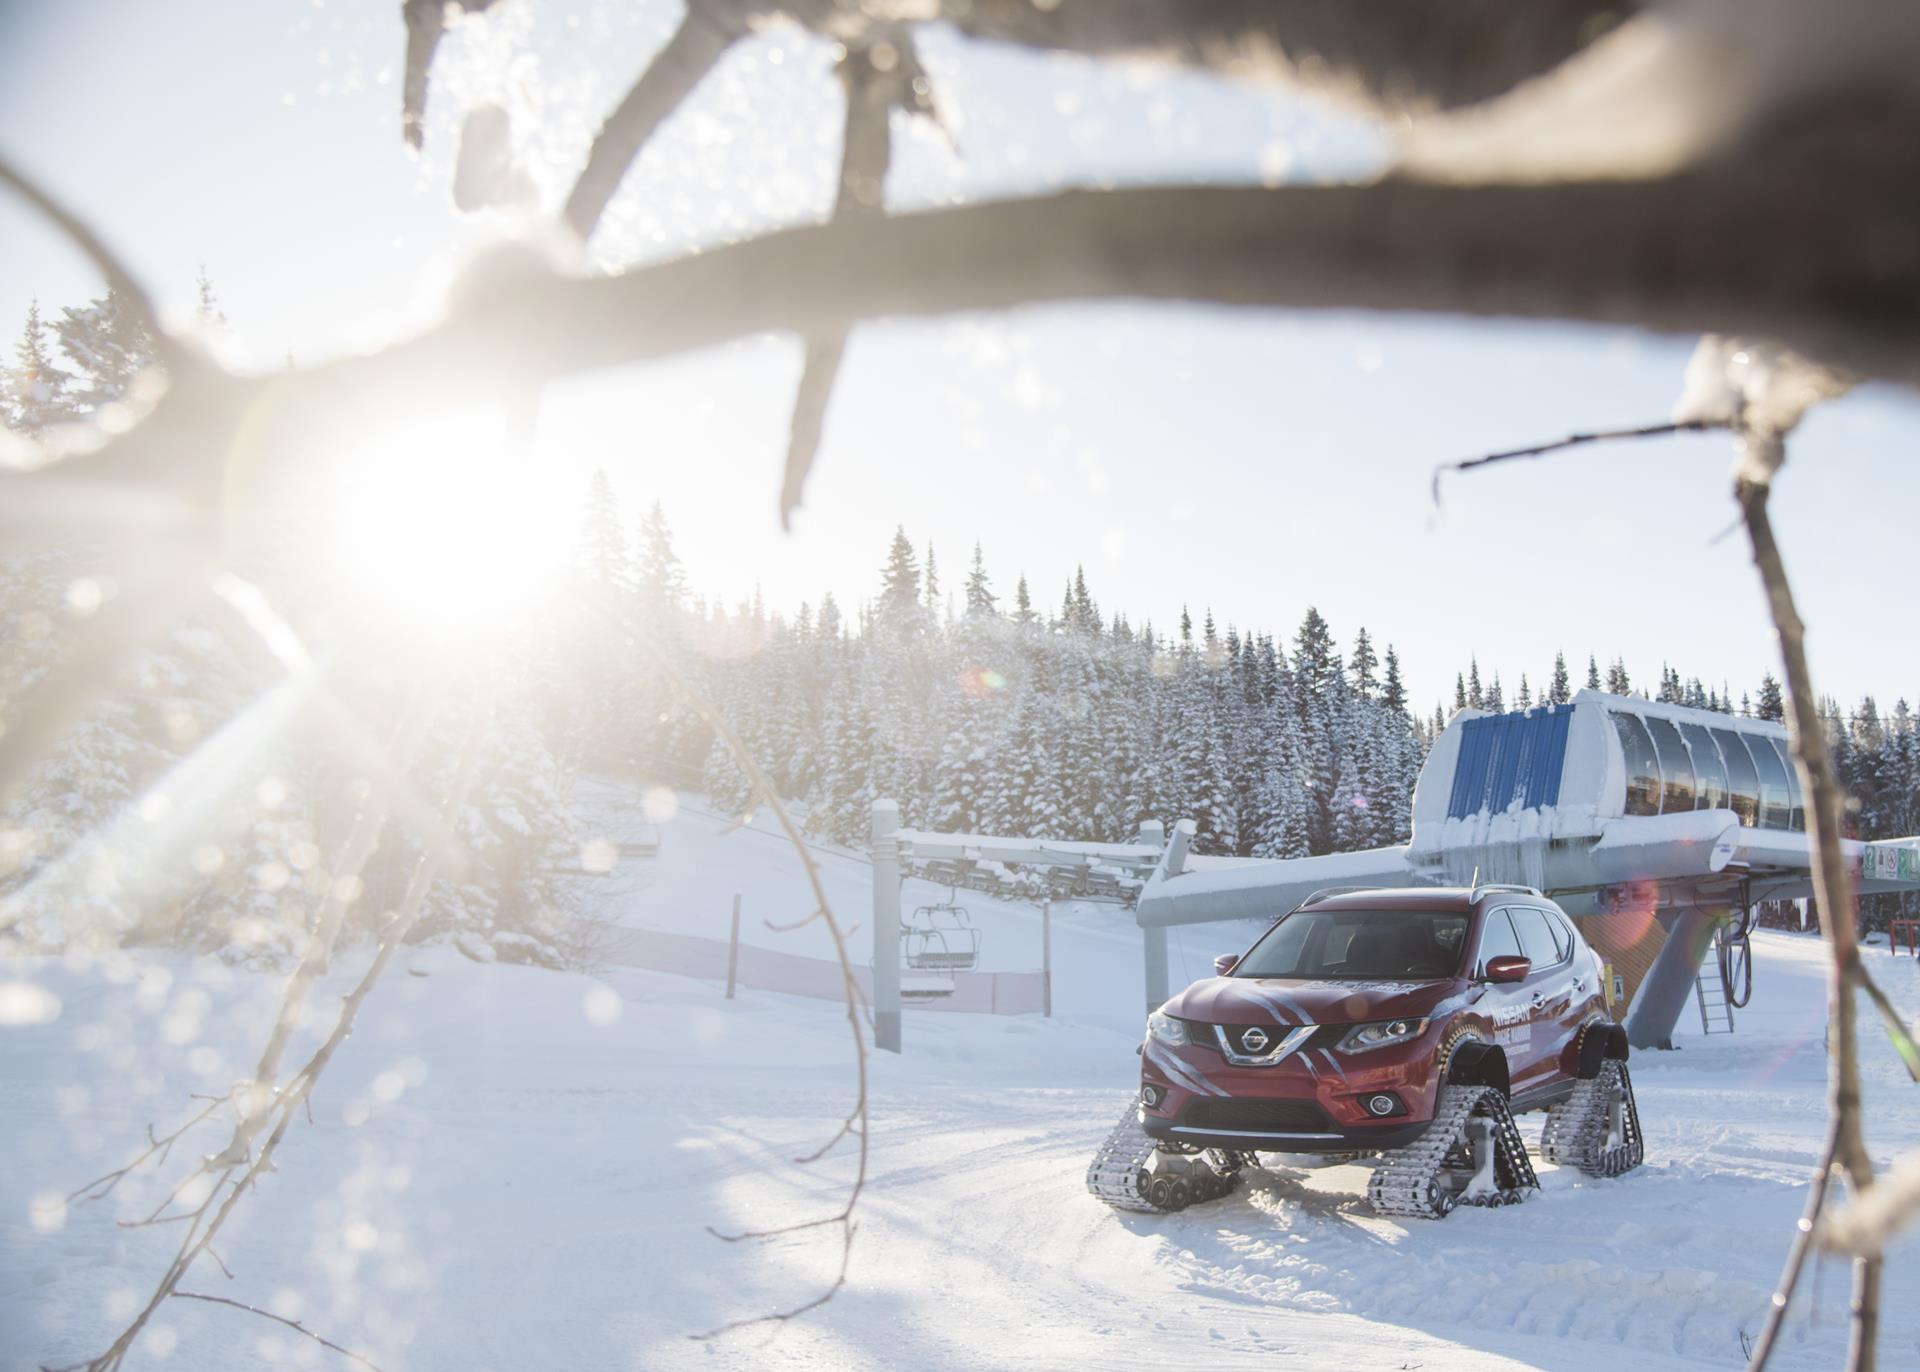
[1257, 462]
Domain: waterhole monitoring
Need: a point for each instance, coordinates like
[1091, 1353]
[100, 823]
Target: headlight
[1366, 1037]
[1170, 1031]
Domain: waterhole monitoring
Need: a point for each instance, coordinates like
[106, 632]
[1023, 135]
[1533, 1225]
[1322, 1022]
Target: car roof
[1425, 898]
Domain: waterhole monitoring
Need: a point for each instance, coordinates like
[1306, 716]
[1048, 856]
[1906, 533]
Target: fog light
[1152, 1095]
[1382, 1105]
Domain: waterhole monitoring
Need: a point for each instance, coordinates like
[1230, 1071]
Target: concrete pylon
[886, 926]
[1663, 993]
[1153, 939]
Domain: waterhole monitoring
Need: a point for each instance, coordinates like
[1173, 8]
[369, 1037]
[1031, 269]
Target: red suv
[1409, 1023]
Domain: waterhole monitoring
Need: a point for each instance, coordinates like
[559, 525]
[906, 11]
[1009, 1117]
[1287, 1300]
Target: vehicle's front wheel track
[1472, 1154]
[1134, 1172]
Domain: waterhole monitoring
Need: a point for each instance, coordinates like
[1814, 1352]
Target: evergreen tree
[980, 597]
[1618, 682]
[603, 545]
[1393, 694]
[1593, 673]
[1361, 668]
[109, 346]
[35, 392]
[1771, 703]
[1559, 690]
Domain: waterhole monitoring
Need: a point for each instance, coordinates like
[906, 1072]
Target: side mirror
[1508, 968]
[1224, 964]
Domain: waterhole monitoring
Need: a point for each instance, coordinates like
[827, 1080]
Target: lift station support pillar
[1153, 938]
[886, 926]
[1663, 994]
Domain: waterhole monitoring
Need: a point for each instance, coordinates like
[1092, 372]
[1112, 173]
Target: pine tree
[36, 392]
[1559, 690]
[1524, 700]
[1771, 704]
[109, 346]
[1022, 602]
[1459, 691]
[1475, 696]
[1618, 682]
[932, 583]
[1593, 673]
[662, 581]
[1393, 694]
[1361, 668]
[980, 597]
[603, 545]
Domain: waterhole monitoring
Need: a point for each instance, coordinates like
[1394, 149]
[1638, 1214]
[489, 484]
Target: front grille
[1255, 1112]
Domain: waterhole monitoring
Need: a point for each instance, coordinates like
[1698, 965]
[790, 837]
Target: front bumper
[1309, 1102]
[1371, 1138]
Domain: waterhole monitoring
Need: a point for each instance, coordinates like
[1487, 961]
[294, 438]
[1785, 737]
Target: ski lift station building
[1653, 825]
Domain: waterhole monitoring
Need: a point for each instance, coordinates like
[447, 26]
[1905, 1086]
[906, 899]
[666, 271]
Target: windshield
[1357, 945]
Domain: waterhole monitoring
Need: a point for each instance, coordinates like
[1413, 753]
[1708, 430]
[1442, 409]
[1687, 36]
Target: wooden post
[1046, 958]
[733, 946]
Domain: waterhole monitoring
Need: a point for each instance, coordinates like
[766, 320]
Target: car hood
[1278, 1000]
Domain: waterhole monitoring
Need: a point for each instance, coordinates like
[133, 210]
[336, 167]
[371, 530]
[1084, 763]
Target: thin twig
[695, 49]
[757, 777]
[1692, 426]
[285, 1102]
[294, 1325]
[1797, 1252]
[1832, 881]
[101, 1186]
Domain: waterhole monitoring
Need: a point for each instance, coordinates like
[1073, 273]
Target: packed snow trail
[514, 1168]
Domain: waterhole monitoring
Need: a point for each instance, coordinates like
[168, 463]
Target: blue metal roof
[1508, 757]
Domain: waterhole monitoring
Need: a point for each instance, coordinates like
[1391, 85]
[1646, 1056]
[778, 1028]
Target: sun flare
[440, 522]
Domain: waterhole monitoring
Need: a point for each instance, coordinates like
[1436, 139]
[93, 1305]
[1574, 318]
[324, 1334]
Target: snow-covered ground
[515, 1169]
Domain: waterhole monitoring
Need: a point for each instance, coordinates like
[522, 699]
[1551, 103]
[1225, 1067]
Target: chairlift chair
[940, 938]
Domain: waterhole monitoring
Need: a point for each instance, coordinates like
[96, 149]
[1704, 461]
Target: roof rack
[1478, 886]
[1325, 891]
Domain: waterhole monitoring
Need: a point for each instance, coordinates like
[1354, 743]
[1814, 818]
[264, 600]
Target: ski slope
[513, 1169]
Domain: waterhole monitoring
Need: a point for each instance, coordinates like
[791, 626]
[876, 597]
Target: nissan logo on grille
[1254, 1040]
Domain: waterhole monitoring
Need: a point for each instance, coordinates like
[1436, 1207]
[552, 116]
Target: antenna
[1473, 887]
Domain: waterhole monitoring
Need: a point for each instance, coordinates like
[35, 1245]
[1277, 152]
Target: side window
[1536, 940]
[1497, 939]
[1562, 935]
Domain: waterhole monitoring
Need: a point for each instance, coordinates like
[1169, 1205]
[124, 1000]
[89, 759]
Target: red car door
[1507, 1006]
[1553, 993]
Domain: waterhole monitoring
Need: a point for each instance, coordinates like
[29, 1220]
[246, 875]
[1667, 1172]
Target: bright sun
[440, 524]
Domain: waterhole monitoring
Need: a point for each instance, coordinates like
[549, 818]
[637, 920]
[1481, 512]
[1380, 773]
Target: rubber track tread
[1576, 1132]
[1128, 1153]
[1407, 1181]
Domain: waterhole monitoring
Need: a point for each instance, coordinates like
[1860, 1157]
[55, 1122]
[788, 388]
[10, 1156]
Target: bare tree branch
[1570, 441]
[294, 1325]
[82, 236]
[876, 78]
[1866, 1226]
[1797, 1252]
[695, 49]
[159, 1146]
[1832, 887]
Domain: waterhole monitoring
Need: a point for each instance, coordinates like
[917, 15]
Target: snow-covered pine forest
[979, 705]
